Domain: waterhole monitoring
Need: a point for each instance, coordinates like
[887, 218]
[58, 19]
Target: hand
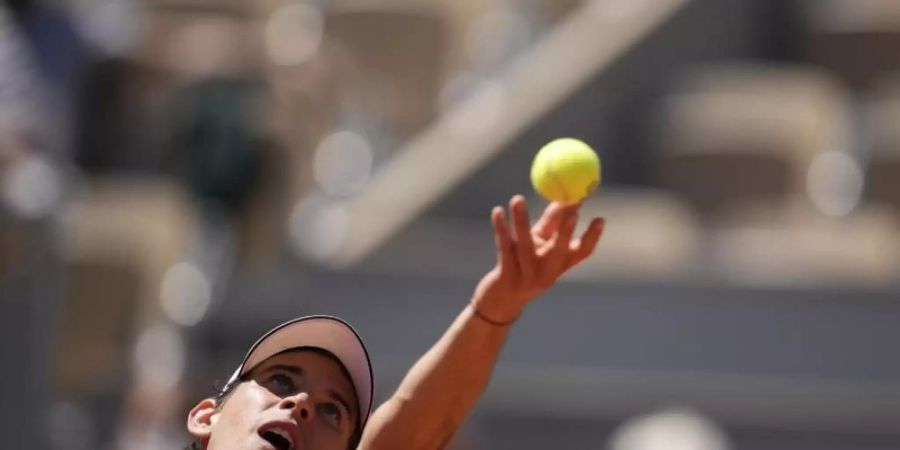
[531, 259]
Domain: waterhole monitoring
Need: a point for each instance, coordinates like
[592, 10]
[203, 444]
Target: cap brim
[325, 332]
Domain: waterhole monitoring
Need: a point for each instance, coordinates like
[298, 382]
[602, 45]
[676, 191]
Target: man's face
[298, 400]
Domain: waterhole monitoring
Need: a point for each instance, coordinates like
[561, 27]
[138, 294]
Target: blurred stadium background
[178, 176]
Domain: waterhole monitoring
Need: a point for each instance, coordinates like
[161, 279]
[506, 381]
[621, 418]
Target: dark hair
[225, 391]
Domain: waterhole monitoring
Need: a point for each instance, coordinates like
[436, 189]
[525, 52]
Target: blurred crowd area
[176, 174]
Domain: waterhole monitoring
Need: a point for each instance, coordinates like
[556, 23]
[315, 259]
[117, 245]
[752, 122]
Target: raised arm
[445, 383]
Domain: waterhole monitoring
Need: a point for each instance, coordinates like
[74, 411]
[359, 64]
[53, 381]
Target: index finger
[524, 242]
[561, 242]
[584, 247]
[503, 241]
[549, 221]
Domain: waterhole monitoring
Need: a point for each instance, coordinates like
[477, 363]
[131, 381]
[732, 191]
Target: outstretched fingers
[567, 228]
[584, 247]
[516, 240]
[505, 253]
[524, 245]
[557, 253]
[549, 222]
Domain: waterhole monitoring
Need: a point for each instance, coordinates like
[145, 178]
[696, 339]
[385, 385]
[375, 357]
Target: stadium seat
[118, 240]
[747, 133]
[183, 41]
[397, 54]
[649, 235]
[883, 174]
[856, 39]
[801, 247]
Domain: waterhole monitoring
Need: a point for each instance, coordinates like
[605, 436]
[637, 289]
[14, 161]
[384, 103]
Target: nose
[299, 405]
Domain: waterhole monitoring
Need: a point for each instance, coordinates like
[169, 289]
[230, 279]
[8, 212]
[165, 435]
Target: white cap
[324, 332]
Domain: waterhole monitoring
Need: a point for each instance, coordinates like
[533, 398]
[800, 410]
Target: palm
[531, 258]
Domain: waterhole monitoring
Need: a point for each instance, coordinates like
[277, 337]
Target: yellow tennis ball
[566, 170]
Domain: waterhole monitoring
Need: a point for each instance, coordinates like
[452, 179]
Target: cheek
[260, 397]
[242, 412]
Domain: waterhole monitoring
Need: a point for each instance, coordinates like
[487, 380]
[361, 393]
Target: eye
[281, 385]
[331, 413]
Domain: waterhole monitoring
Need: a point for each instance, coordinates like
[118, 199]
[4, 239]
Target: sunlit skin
[443, 386]
[302, 393]
[530, 259]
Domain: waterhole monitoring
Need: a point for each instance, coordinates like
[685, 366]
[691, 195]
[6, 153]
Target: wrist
[493, 318]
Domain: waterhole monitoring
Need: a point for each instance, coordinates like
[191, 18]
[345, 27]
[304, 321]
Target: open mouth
[279, 439]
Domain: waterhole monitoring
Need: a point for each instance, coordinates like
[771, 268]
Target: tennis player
[307, 384]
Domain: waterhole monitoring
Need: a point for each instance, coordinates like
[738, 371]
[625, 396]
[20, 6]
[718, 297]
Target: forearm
[444, 385]
[441, 388]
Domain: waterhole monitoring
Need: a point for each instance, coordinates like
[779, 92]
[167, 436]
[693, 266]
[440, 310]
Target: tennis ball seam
[551, 172]
[565, 170]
